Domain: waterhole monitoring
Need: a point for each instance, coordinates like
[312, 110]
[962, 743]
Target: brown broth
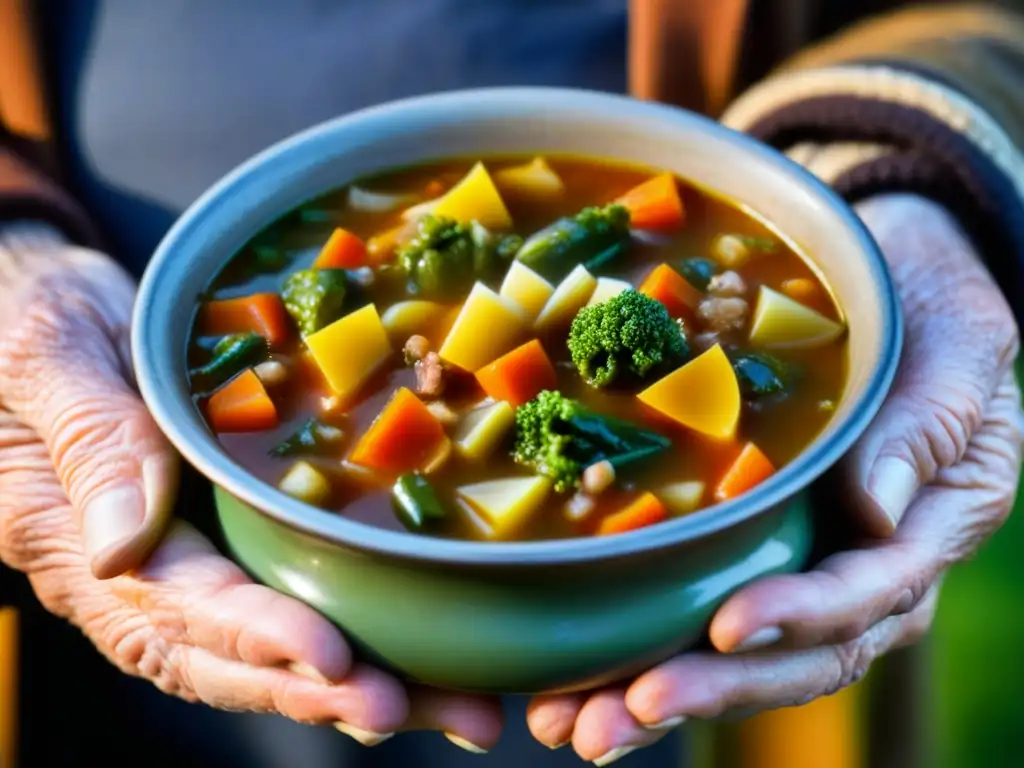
[781, 428]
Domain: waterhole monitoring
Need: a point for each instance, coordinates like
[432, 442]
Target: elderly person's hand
[87, 483]
[934, 475]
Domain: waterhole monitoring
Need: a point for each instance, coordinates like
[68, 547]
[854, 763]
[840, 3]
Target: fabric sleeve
[28, 193]
[927, 100]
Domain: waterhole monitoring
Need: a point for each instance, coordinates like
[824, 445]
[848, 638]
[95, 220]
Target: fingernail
[616, 754]
[557, 746]
[760, 638]
[309, 671]
[111, 518]
[892, 484]
[366, 738]
[469, 746]
[666, 725]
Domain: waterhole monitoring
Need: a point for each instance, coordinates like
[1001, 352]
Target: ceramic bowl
[529, 616]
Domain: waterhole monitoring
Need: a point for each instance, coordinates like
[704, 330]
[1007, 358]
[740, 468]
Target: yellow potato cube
[528, 289]
[407, 318]
[475, 198]
[703, 395]
[306, 483]
[681, 498]
[480, 430]
[534, 180]
[350, 350]
[607, 288]
[487, 327]
[505, 505]
[780, 322]
[569, 297]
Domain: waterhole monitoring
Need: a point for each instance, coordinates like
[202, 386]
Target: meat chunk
[416, 348]
[726, 285]
[430, 375]
[723, 314]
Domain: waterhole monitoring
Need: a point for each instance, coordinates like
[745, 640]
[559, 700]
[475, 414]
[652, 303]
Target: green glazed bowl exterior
[515, 616]
[517, 630]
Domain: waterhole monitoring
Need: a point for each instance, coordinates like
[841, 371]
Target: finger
[960, 341]
[551, 718]
[605, 730]
[188, 583]
[706, 685]
[849, 592]
[368, 704]
[66, 377]
[471, 722]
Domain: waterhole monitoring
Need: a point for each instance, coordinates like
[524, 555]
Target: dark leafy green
[558, 437]
[312, 438]
[760, 374]
[315, 297]
[698, 271]
[415, 502]
[593, 237]
[231, 355]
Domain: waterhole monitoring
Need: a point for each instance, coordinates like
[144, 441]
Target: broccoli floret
[592, 237]
[625, 338]
[315, 297]
[445, 257]
[558, 437]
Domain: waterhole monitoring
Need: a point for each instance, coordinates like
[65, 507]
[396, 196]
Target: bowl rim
[201, 449]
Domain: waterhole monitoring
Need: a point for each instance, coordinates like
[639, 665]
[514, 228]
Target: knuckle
[852, 661]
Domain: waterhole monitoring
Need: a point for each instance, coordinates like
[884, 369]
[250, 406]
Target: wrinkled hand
[933, 477]
[87, 483]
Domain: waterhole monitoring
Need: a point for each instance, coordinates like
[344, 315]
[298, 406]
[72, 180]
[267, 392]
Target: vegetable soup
[517, 349]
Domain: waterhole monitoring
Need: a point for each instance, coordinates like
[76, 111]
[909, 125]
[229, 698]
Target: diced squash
[645, 510]
[532, 181]
[306, 483]
[487, 327]
[655, 204]
[528, 289]
[405, 437]
[569, 297]
[350, 350]
[408, 318]
[481, 430]
[671, 289]
[607, 288]
[475, 198]
[343, 250]
[506, 505]
[241, 405]
[749, 469]
[703, 395]
[781, 323]
[683, 497]
[261, 313]
[519, 375]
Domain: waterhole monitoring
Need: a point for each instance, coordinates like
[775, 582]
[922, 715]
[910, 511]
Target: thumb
[960, 340]
[65, 351]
